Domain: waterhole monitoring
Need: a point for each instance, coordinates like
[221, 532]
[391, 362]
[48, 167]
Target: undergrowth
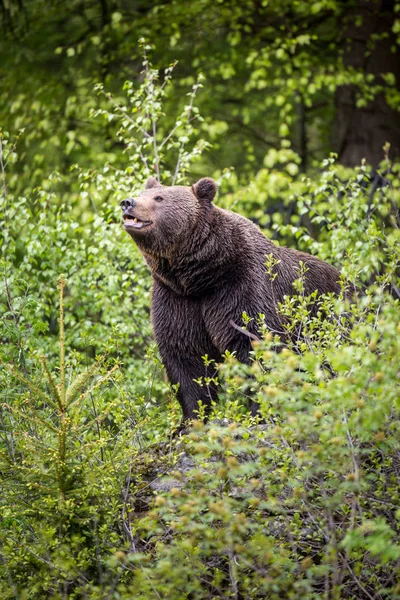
[96, 500]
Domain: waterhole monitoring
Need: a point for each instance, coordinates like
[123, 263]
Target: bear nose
[128, 203]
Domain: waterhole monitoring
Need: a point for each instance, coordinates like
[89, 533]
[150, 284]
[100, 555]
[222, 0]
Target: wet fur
[208, 267]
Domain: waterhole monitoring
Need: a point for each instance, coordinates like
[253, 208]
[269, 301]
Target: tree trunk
[361, 132]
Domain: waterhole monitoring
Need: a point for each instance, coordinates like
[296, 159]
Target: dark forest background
[294, 108]
[323, 75]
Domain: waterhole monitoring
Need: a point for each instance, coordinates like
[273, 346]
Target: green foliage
[95, 502]
[59, 484]
[274, 71]
[141, 119]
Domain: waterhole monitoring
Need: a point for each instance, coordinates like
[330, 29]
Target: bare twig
[153, 120]
[3, 169]
[233, 574]
[250, 335]
[359, 584]
[125, 517]
[171, 133]
[9, 300]
[188, 118]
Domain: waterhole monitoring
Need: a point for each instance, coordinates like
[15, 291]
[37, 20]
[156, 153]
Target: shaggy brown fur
[208, 267]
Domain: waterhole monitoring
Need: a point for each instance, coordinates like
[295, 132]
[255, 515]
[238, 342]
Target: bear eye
[158, 198]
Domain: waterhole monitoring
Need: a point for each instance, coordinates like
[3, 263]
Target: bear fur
[208, 268]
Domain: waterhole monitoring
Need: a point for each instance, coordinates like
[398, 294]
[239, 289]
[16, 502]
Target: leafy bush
[95, 501]
[304, 506]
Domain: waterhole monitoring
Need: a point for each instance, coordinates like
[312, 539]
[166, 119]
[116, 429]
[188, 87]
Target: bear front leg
[182, 340]
[184, 370]
[223, 318]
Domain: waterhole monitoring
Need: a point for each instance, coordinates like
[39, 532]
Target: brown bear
[208, 268]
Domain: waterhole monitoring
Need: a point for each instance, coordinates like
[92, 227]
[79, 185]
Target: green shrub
[95, 502]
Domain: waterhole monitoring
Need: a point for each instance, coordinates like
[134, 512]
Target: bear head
[162, 218]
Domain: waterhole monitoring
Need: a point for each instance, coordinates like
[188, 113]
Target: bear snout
[128, 203]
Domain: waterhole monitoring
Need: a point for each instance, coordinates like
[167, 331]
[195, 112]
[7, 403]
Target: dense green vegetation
[96, 500]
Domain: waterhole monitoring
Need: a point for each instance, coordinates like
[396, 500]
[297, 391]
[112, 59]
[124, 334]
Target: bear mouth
[131, 222]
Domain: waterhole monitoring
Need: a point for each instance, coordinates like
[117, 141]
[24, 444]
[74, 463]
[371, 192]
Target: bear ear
[151, 183]
[205, 189]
